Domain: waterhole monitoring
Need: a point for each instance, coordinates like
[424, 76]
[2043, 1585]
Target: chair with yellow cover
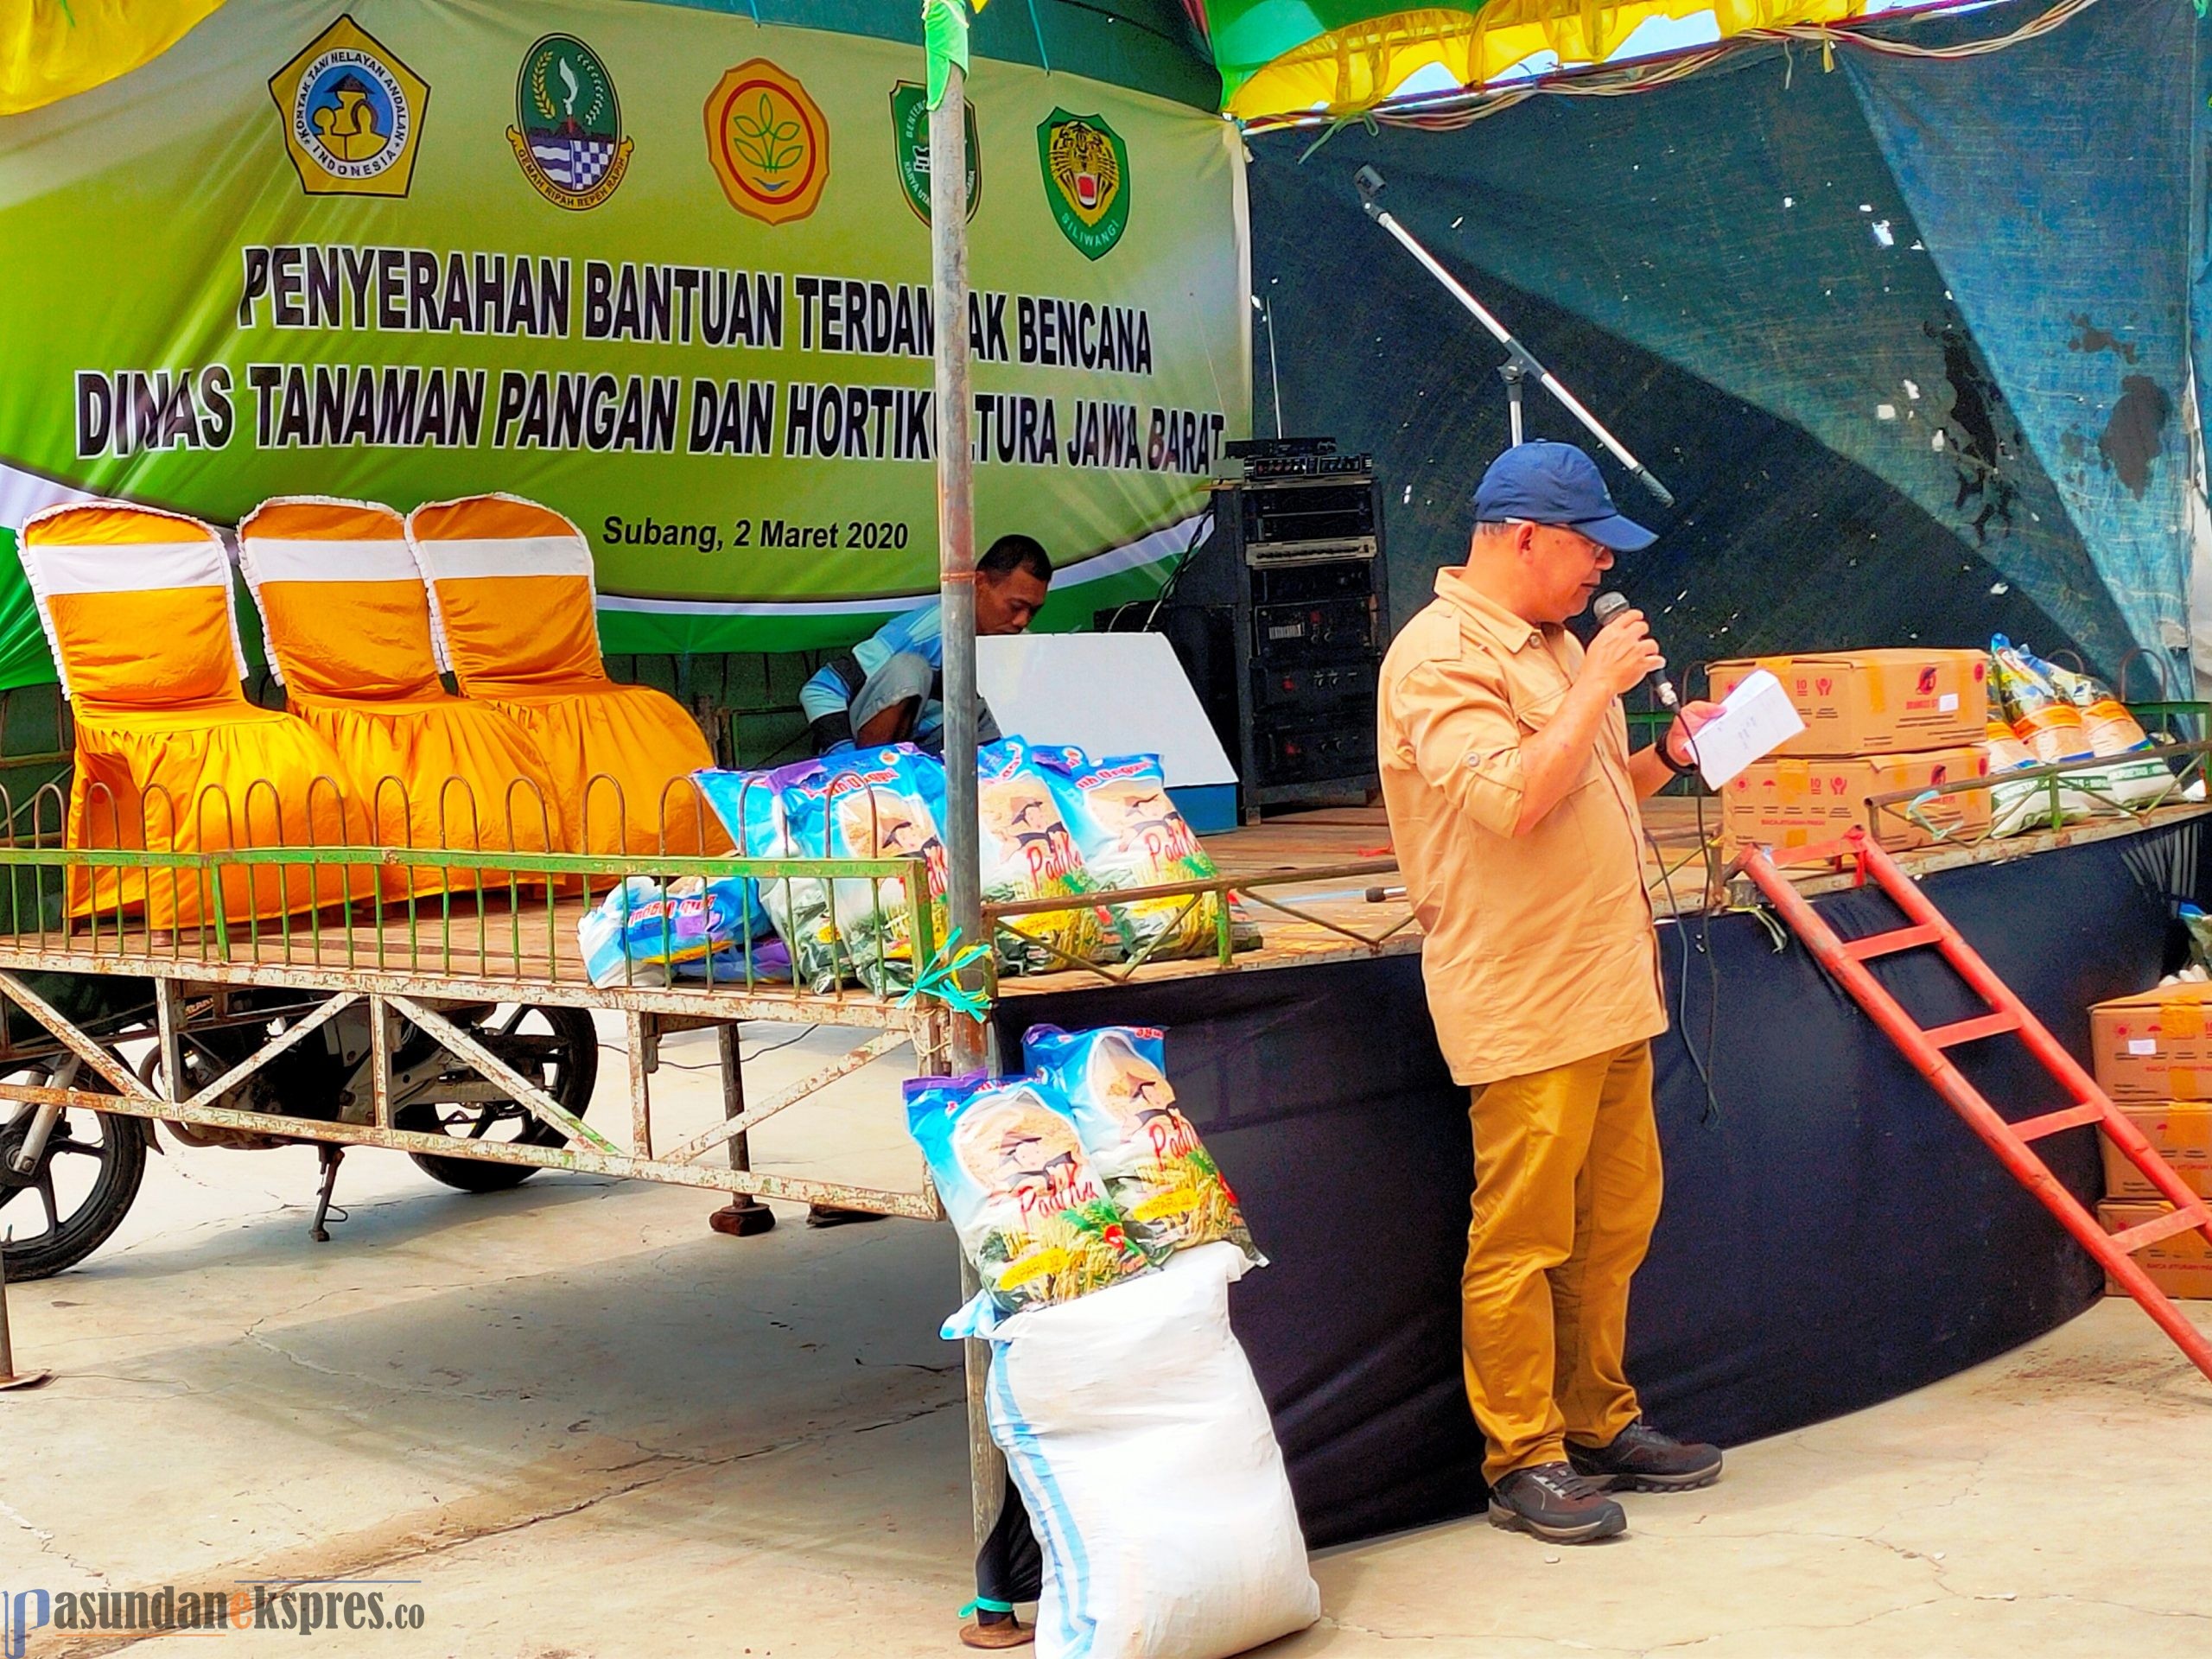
[170, 757]
[348, 623]
[512, 595]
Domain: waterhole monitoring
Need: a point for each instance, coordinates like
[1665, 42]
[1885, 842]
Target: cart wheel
[556, 1048]
[64, 1208]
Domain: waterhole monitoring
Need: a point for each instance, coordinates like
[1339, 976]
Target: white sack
[1143, 1451]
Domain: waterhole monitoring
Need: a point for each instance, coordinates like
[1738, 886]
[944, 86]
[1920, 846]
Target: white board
[1105, 693]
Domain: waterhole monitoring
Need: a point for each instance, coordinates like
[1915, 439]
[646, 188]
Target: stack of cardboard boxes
[1875, 721]
[2152, 1054]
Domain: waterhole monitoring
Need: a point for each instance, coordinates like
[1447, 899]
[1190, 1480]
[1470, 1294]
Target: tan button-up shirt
[1539, 948]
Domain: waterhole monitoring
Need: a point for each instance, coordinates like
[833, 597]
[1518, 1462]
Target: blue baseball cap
[1557, 484]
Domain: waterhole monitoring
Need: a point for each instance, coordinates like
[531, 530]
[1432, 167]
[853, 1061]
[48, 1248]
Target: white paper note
[1756, 719]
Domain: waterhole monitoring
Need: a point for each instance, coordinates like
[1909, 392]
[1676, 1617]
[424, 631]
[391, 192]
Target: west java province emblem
[568, 132]
[353, 113]
[909, 147]
[1086, 180]
[769, 143]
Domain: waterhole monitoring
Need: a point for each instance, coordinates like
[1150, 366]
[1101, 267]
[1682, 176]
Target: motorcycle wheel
[82, 1186]
[556, 1048]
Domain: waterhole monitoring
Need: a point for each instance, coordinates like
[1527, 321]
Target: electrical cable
[716, 1065]
[1682, 937]
[1200, 531]
[1167, 588]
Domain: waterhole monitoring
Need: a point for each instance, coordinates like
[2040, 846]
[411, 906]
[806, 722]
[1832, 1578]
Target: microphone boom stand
[1522, 362]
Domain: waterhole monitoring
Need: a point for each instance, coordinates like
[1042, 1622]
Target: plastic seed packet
[1031, 1213]
[1131, 836]
[872, 803]
[2062, 715]
[1028, 852]
[1115, 1079]
[643, 933]
[2048, 723]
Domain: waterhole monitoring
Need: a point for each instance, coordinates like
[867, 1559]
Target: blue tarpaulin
[1910, 340]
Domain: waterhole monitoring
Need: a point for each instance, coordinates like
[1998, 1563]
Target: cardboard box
[2181, 1132]
[2180, 1266]
[2154, 1046]
[1863, 702]
[1794, 802]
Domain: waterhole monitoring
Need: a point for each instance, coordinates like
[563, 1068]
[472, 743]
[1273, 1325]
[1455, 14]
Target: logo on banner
[769, 143]
[1086, 180]
[568, 132]
[909, 145]
[353, 112]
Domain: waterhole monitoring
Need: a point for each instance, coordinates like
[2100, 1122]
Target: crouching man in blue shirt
[890, 687]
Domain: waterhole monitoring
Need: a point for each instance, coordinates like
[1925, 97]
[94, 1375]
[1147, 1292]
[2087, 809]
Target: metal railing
[2073, 792]
[1208, 898]
[234, 883]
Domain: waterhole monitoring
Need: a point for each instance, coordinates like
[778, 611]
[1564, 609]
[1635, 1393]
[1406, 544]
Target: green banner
[665, 270]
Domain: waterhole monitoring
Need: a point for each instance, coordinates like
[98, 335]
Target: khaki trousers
[1566, 1189]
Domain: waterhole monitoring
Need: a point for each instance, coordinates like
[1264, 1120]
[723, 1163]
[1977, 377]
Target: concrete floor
[570, 1422]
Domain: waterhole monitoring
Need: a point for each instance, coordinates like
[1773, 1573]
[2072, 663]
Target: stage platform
[1678, 875]
[1833, 1234]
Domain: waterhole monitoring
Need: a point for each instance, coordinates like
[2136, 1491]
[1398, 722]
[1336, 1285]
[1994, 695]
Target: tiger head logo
[1086, 180]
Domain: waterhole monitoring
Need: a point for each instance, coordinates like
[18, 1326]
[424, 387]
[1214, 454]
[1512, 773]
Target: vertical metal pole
[956, 527]
[956, 536]
[643, 1057]
[7, 1343]
[744, 1216]
[8, 1377]
[168, 1022]
[733, 1077]
[380, 1047]
[986, 1462]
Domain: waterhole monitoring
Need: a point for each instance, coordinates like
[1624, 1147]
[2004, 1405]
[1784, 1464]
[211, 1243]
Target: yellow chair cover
[171, 757]
[511, 586]
[347, 622]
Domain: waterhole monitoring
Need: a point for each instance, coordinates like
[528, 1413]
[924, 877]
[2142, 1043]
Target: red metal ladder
[1845, 959]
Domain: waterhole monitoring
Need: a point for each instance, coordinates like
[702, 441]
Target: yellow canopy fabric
[136, 605]
[52, 48]
[1358, 64]
[513, 603]
[347, 622]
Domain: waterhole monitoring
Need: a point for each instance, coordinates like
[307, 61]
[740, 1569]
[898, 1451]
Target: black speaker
[1279, 619]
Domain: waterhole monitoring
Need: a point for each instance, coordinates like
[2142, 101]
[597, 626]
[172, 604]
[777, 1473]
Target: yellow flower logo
[768, 142]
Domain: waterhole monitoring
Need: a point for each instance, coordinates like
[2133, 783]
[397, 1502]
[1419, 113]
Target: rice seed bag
[2011, 806]
[1028, 852]
[872, 803]
[1155, 1166]
[2049, 724]
[1131, 836]
[2057, 710]
[2111, 731]
[1031, 1211]
[644, 933]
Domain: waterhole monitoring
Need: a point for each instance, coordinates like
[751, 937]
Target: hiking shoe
[1641, 1459]
[1558, 1505]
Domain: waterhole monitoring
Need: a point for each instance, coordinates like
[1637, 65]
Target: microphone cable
[1711, 1113]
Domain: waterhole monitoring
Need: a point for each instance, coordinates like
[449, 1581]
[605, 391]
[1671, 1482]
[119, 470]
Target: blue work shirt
[918, 632]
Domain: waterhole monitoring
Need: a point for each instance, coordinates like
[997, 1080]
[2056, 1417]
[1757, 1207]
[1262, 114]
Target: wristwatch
[1679, 768]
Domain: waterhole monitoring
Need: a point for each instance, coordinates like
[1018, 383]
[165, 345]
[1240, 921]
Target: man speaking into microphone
[1512, 798]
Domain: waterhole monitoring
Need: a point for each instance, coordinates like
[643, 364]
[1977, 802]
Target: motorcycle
[69, 1174]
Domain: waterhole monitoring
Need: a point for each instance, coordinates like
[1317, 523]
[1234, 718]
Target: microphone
[1610, 606]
